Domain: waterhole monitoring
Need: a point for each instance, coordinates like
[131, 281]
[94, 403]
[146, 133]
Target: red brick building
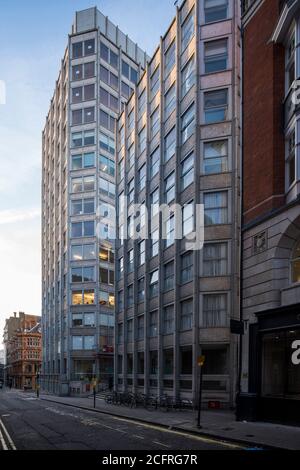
[270, 381]
[23, 347]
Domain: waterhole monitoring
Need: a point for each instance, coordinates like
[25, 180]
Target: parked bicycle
[149, 402]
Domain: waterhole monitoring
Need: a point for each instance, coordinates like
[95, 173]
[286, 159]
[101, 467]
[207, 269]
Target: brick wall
[263, 159]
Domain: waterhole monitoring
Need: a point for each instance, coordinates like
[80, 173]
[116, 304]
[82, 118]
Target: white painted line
[209, 440]
[161, 444]
[107, 427]
[4, 446]
[7, 435]
[138, 437]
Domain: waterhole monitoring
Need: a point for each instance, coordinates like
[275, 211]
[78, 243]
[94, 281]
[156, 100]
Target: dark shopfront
[274, 368]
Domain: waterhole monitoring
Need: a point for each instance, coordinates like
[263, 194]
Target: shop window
[280, 375]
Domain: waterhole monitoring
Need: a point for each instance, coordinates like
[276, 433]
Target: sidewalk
[220, 424]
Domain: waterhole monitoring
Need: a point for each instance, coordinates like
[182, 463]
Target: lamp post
[37, 381]
[200, 362]
[94, 383]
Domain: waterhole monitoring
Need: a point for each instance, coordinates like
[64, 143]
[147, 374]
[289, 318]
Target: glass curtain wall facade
[99, 71]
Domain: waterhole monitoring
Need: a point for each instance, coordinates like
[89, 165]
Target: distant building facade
[270, 375]
[23, 350]
[2, 365]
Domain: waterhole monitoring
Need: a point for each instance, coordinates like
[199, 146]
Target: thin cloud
[13, 216]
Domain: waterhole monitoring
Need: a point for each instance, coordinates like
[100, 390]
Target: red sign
[214, 405]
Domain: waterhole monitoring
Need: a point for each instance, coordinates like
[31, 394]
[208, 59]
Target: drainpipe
[242, 205]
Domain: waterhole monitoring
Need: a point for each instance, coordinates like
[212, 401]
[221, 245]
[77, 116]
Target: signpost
[37, 385]
[200, 361]
[94, 383]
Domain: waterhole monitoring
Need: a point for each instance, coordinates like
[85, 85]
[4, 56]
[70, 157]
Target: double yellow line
[188, 435]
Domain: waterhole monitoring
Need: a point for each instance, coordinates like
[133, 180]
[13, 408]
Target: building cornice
[286, 17]
[251, 11]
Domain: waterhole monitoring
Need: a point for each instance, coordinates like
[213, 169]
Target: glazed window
[153, 325]
[141, 289]
[141, 253]
[170, 145]
[215, 157]
[296, 263]
[170, 101]
[170, 58]
[187, 171]
[106, 165]
[290, 62]
[130, 295]
[89, 47]
[216, 208]
[214, 313]
[77, 50]
[291, 159]
[154, 283]
[188, 77]
[215, 259]
[187, 123]
[215, 55]
[169, 276]
[154, 162]
[187, 267]
[154, 123]
[168, 320]
[187, 218]
[215, 106]
[154, 83]
[215, 10]
[187, 30]
[186, 314]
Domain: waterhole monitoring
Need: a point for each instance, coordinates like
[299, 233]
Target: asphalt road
[28, 423]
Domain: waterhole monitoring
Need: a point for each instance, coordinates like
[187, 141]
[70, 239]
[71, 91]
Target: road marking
[138, 437]
[185, 434]
[62, 413]
[161, 444]
[29, 398]
[108, 427]
[11, 443]
[4, 446]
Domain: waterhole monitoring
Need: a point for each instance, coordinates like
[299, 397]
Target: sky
[33, 37]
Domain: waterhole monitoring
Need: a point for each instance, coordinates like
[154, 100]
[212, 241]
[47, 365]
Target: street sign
[201, 360]
[236, 327]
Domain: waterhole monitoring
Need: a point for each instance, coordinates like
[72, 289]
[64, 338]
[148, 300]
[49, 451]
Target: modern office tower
[98, 72]
[271, 212]
[178, 142]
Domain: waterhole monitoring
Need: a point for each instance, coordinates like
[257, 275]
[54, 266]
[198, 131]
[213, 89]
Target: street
[28, 423]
